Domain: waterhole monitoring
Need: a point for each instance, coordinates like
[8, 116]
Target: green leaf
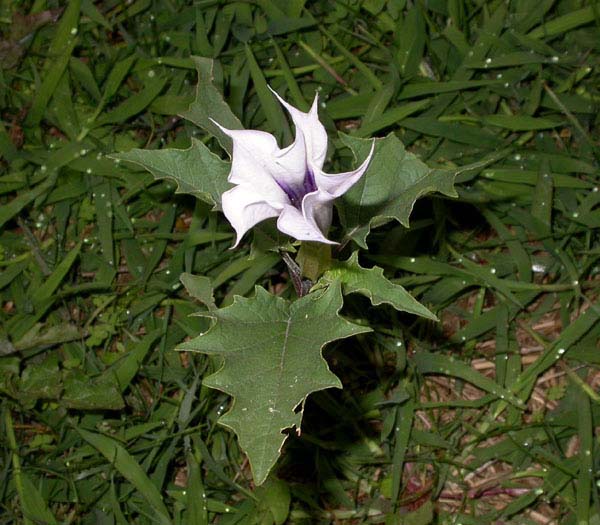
[314, 259]
[41, 380]
[274, 502]
[272, 361]
[33, 504]
[83, 393]
[196, 170]
[130, 469]
[389, 189]
[371, 283]
[199, 287]
[209, 104]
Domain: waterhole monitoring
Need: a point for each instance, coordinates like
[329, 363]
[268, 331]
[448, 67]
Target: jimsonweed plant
[270, 345]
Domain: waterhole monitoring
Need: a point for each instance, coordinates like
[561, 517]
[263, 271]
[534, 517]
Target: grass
[102, 422]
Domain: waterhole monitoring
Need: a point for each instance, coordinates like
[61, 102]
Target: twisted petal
[294, 223]
[258, 161]
[245, 208]
[338, 184]
[318, 206]
[309, 126]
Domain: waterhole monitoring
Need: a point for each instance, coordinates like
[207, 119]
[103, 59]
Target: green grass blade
[33, 504]
[585, 432]
[59, 55]
[295, 92]
[402, 431]
[195, 496]
[51, 284]
[391, 116]
[428, 363]
[353, 59]
[130, 469]
[269, 104]
[564, 23]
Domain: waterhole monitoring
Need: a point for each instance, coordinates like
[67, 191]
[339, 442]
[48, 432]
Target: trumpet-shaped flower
[285, 183]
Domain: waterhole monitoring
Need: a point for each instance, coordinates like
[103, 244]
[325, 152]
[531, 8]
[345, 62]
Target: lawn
[458, 315]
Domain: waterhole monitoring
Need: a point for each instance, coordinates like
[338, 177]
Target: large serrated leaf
[209, 104]
[272, 362]
[390, 187]
[196, 170]
[371, 283]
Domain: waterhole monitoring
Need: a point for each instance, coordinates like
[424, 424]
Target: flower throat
[296, 193]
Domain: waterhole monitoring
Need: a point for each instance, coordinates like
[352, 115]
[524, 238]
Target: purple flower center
[296, 193]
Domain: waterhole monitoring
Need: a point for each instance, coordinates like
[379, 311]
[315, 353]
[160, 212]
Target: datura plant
[269, 346]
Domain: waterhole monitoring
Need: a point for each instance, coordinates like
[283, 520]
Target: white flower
[285, 183]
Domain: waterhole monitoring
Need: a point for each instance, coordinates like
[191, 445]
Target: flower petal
[338, 184]
[255, 160]
[317, 207]
[245, 208]
[294, 223]
[292, 160]
[311, 128]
